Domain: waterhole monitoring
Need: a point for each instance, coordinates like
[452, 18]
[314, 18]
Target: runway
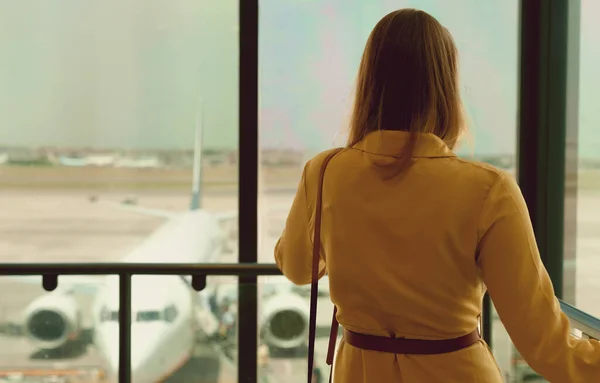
[54, 224]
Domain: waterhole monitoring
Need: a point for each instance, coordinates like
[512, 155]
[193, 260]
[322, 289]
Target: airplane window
[103, 314]
[170, 313]
[109, 316]
[148, 316]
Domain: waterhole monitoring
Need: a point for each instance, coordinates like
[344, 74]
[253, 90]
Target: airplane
[73, 161]
[94, 160]
[140, 163]
[169, 318]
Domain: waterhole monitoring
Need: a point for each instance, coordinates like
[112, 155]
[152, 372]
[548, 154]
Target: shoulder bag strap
[315, 269]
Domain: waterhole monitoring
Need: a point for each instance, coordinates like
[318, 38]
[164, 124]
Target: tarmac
[52, 224]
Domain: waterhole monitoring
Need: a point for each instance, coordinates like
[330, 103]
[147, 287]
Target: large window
[309, 53]
[100, 103]
[118, 143]
[587, 204]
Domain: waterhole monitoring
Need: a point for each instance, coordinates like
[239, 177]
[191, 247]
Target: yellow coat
[408, 256]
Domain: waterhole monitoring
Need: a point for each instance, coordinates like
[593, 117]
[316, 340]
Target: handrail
[582, 321]
[234, 269]
[198, 272]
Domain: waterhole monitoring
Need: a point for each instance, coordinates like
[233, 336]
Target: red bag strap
[315, 275]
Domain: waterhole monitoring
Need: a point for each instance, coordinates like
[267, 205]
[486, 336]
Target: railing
[588, 325]
[581, 321]
[198, 273]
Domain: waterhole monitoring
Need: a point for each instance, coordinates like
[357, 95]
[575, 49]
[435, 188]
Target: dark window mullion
[542, 125]
[248, 189]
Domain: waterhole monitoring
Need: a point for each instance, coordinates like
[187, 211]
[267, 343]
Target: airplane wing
[138, 209]
[221, 217]
[91, 283]
[226, 216]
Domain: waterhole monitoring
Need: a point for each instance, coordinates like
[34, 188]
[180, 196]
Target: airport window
[582, 189]
[309, 54]
[119, 122]
[119, 143]
[321, 45]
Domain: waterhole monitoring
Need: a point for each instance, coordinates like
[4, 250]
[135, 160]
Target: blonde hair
[408, 81]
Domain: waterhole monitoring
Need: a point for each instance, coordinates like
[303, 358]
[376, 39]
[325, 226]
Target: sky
[139, 73]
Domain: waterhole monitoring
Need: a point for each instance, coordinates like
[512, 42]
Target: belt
[410, 346]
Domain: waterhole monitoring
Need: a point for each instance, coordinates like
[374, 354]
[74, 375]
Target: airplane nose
[137, 364]
[143, 343]
[142, 347]
[109, 347]
[139, 368]
[137, 361]
[113, 361]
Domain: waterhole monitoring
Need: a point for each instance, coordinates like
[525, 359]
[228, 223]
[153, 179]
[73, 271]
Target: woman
[411, 233]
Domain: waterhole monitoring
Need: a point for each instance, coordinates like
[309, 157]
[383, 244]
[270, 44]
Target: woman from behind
[412, 235]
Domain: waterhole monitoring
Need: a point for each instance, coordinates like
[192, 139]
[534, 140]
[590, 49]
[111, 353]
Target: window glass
[309, 53]
[586, 228]
[118, 143]
[105, 108]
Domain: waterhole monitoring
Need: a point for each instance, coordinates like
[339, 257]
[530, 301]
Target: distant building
[24, 156]
[278, 157]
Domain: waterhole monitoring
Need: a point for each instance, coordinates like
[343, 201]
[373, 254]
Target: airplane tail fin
[196, 201]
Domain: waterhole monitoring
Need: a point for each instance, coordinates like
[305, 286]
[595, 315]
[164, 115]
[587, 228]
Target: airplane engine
[284, 321]
[52, 320]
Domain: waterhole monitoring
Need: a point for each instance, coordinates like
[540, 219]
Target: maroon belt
[409, 346]
[396, 345]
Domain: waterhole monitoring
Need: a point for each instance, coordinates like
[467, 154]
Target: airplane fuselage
[163, 326]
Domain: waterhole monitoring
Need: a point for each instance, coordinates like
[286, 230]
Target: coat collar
[390, 143]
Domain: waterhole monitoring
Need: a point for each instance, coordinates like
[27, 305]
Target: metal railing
[587, 324]
[582, 321]
[198, 272]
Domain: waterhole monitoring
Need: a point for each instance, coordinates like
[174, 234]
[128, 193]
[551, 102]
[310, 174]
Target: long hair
[408, 81]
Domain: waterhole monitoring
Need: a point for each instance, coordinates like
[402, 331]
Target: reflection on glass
[51, 334]
[309, 56]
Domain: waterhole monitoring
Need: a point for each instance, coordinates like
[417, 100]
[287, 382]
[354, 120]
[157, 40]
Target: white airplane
[72, 161]
[168, 316]
[141, 163]
[94, 160]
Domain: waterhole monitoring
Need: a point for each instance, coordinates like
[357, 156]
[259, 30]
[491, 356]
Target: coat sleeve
[293, 251]
[522, 291]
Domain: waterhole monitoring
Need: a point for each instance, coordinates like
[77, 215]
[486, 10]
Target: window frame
[548, 71]
[548, 68]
